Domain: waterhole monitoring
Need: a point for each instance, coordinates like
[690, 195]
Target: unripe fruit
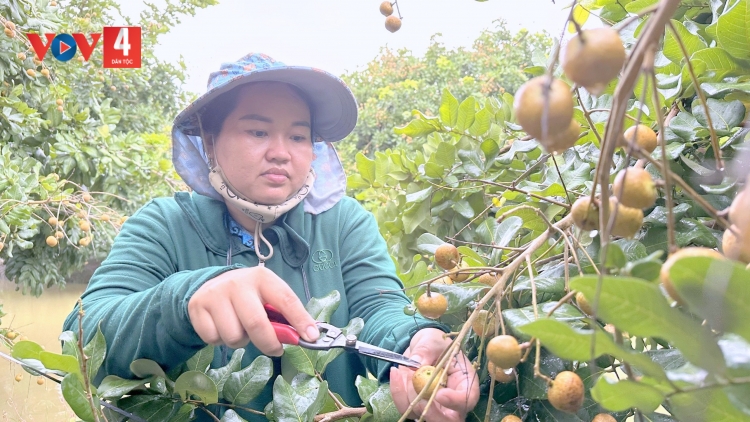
[21, 56]
[511, 418]
[51, 241]
[80, 59]
[392, 23]
[431, 305]
[422, 376]
[19, 377]
[123, 219]
[690, 252]
[585, 215]
[566, 392]
[641, 135]
[504, 351]
[593, 58]
[446, 256]
[484, 324]
[11, 335]
[460, 276]
[104, 217]
[59, 234]
[500, 374]
[40, 381]
[84, 225]
[584, 304]
[60, 108]
[59, 101]
[37, 62]
[635, 188]
[529, 106]
[9, 32]
[10, 25]
[31, 72]
[113, 88]
[386, 8]
[604, 417]
[84, 241]
[627, 220]
[53, 221]
[736, 248]
[559, 142]
[87, 197]
[53, 3]
[45, 72]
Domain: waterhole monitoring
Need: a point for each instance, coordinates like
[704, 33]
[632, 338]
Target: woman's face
[264, 147]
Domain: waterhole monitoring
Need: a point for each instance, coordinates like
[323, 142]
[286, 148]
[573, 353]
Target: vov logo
[323, 260]
[122, 46]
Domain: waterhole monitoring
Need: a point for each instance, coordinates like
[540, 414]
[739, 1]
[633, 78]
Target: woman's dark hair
[214, 114]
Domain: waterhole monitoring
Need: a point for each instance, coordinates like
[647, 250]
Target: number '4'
[121, 43]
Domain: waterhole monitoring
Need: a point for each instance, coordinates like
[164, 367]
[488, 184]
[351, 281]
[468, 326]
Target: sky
[335, 35]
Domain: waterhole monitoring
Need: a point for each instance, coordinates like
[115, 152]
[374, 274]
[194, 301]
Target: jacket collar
[287, 234]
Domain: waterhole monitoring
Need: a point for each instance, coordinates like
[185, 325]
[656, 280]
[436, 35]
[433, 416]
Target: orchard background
[441, 155]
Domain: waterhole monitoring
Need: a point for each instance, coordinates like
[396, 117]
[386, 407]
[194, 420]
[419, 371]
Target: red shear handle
[286, 333]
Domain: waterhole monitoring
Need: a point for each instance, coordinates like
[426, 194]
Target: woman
[267, 223]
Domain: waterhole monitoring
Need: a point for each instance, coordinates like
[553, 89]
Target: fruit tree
[81, 147]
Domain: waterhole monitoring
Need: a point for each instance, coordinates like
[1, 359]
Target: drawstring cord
[259, 235]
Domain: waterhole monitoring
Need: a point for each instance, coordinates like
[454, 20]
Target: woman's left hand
[452, 402]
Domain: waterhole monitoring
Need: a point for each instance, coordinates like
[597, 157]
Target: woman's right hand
[228, 309]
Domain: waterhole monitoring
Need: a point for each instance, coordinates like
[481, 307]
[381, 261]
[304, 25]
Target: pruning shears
[331, 338]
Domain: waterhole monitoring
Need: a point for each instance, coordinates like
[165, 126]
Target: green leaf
[95, 350]
[458, 295]
[322, 308]
[428, 243]
[26, 349]
[231, 416]
[419, 196]
[201, 360]
[715, 289]
[725, 115]
[113, 387]
[448, 109]
[733, 30]
[705, 405]
[482, 122]
[471, 162]
[717, 60]
[638, 5]
[638, 307]
[416, 128]
[518, 317]
[58, 362]
[150, 408]
[299, 401]
[615, 257]
[720, 89]
[243, 386]
[625, 394]
[75, 396]
[575, 344]
[445, 155]
[366, 387]
[365, 167]
[221, 375]
[144, 368]
[196, 383]
[692, 43]
[466, 114]
[383, 407]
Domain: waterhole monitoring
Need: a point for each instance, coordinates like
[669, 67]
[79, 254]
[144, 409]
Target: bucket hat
[333, 110]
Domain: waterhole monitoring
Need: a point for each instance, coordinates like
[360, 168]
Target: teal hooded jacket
[171, 246]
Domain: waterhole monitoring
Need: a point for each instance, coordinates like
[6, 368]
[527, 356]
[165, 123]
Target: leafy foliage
[83, 145]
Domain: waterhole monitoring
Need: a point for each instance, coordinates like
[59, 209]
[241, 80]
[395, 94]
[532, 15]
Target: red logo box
[122, 46]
